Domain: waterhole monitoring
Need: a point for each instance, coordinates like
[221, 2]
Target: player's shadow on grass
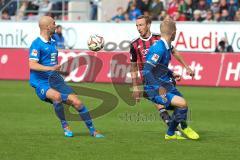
[85, 134]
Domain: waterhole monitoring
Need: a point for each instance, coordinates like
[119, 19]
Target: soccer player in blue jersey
[138, 50]
[43, 61]
[158, 82]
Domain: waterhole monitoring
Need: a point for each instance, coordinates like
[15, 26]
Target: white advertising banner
[201, 37]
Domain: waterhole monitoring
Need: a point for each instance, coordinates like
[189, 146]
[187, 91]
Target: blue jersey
[46, 54]
[156, 72]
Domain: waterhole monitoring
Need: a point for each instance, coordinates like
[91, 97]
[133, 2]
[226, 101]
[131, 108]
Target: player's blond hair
[147, 19]
[167, 26]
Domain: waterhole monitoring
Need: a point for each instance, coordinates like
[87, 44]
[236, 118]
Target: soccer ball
[95, 42]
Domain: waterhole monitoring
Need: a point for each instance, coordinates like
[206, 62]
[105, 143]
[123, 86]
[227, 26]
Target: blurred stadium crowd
[32, 9]
[179, 10]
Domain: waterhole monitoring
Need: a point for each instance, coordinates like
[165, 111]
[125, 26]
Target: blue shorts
[41, 91]
[153, 95]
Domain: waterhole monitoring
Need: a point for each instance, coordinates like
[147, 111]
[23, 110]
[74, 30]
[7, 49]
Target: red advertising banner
[210, 69]
[206, 67]
[14, 64]
[230, 71]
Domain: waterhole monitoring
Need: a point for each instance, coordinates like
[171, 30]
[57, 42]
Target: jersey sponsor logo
[144, 52]
[34, 52]
[155, 57]
[53, 58]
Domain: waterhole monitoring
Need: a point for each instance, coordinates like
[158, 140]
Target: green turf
[30, 130]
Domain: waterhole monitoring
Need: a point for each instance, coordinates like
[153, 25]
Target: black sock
[165, 116]
[183, 124]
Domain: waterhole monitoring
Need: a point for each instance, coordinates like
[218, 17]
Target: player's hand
[190, 72]
[56, 68]
[136, 94]
[177, 77]
[162, 92]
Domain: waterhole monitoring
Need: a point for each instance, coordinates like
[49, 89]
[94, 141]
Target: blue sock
[84, 114]
[59, 110]
[172, 127]
[179, 116]
[184, 123]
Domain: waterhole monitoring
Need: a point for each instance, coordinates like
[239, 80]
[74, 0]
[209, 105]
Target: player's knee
[182, 104]
[77, 104]
[57, 97]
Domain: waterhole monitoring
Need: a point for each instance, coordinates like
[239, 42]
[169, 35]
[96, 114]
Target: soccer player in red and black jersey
[138, 50]
[139, 47]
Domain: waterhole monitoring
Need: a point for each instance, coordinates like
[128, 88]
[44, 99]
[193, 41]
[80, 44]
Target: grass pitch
[30, 129]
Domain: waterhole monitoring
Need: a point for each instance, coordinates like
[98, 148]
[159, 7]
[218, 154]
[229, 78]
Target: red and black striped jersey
[139, 48]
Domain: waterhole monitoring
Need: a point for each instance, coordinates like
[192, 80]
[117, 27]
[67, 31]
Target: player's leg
[180, 116]
[56, 99]
[165, 101]
[175, 91]
[47, 94]
[160, 103]
[161, 109]
[163, 113]
[84, 114]
[179, 113]
[165, 116]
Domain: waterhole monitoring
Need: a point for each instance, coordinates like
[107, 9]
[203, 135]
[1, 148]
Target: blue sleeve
[154, 55]
[153, 58]
[34, 52]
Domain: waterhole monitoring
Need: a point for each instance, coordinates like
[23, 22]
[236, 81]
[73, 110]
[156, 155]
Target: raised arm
[182, 61]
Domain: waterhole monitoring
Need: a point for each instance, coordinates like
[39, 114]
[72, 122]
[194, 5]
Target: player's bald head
[167, 27]
[47, 25]
[45, 21]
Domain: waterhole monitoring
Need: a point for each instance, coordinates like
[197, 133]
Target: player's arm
[182, 61]
[34, 65]
[134, 74]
